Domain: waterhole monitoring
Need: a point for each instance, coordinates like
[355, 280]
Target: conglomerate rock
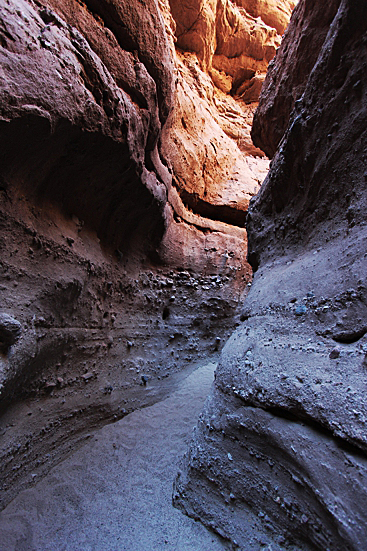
[279, 456]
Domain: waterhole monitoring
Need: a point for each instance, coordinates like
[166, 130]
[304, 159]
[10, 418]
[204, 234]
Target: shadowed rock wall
[126, 170]
[75, 116]
[290, 70]
[279, 454]
[93, 323]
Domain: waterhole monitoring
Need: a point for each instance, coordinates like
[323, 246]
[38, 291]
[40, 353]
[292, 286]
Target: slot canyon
[183, 315]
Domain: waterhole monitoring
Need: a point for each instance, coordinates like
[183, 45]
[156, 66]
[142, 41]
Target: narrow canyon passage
[114, 493]
[183, 182]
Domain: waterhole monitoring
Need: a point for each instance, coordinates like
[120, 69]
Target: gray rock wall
[279, 455]
[290, 70]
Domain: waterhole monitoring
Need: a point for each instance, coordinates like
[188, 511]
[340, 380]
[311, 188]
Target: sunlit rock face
[231, 35]
[220, 52]
[232, 38]
[278, 457]
[274, 14]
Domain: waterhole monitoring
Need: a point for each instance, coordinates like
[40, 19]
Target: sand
[114, 493]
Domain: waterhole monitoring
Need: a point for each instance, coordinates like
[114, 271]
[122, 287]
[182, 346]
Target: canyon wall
[126, 170]
[278, 458]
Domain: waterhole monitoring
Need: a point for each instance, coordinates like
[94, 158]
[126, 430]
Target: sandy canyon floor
[114, 493]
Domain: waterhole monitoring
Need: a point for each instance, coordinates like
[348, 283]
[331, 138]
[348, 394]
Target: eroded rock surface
[290, 70]
[215, 167]
[126, 171]
[279, 455]
[231, 37]
[125, 177]
[274, 14]
[105, 323]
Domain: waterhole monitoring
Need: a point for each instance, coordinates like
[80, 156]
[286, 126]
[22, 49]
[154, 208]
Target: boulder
[10, 330]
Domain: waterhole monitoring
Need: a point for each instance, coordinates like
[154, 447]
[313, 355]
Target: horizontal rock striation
[279, 454]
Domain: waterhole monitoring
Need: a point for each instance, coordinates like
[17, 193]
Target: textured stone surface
[224, 35]
[290, 70]
[273, 13]
[106, 325]
[125, 177]
[216, 169]
[10, 330]
[281, 443]
[59, 99]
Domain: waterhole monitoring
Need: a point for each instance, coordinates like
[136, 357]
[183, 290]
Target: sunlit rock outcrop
[220, 53]
[273, 13]
[278, 458]
[233, 40]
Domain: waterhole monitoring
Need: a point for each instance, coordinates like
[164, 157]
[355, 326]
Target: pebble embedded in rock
[335, 353]
[217, 343]
[10, 330]
[300, 310]
[144, 379]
